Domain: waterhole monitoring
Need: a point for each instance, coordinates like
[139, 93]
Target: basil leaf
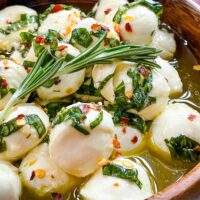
[81, 36]
[97, 121]
[119, 171]
[183, 148]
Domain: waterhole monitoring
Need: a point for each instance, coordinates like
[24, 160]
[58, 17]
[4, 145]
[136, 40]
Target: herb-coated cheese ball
[106, 184]
[61, 21]
[176, 120]
[171, 75]
[11, 76]
[24, 128]
[164, 41]
[10, 15]
[10, 182]
[65, 84]
[137, 25]
[82, 135]
[106, 10]
[40, 174]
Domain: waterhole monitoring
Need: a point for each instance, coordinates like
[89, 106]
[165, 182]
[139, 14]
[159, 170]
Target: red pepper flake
[52, 176]
[56, 80]
[85, 108]
[134, 139]
[96, 27]
[107, 11]
[62, 47]
[6, 67]
[128, 27]
[57, 196]
[28, 69]
[124, 120]
[144, 72]
[57, 8]
[124, 130]
[32, 175]
[116, 142]
[106, 41]
[197, 148]
[117, 154]
[40, 40]
[192, 117]
[4, 83]
[116, 184]
[20, 116]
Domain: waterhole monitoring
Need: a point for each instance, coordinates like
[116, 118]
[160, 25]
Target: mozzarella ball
[62, 21]
[127, 139]
[25, 138]
[171, 75]
[163, 40]
[10, 182]
[65, 84]
[76, 153]
[138, 24]
[106, 10]
[101, 186]
[99, 74]
[12, 76]
[42, 175]
[177, 119]
[8, 16]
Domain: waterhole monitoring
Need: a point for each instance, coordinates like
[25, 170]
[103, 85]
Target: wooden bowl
[184, 18]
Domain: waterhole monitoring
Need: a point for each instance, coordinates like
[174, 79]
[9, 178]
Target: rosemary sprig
[48, 67]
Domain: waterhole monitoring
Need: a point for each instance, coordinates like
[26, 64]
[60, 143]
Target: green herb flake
[105, 81]
[97, 121]
[119, 171]
[81, 36]
[121, 11]
[183, 148]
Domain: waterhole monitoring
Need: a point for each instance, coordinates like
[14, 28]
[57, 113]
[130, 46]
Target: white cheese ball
[40, 174]
[10, 182]
[79, 154]
[177, 119]
[62, 22]
[106, 10]
[163, 40]
[138, 24]
[10, 15]
[128, 139]
[101, 186]
[12, 75]
[171, 75]
[65, 84]
[24, 139]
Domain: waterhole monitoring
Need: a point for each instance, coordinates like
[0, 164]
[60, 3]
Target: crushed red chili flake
[192, 117]
[96, 27]
[57, 8]
[197, 148]
[52, 176]
[40, 40]
[32, 175]
[116, 142]
[28, 69]
[62, 47]
[124, 120]
[144, 72]
[85, 108]
[106, 41]
[56, 80]
[20, 116]
[4, 83]
[56, 196]
[107, 11]
[117, 154]
[124, 130]
[134, 139]
[128, 27]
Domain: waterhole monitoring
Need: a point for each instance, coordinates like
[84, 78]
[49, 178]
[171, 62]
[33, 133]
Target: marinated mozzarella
[138, 24]
[40, 174]
[81, 139]
[106, 10]
[10, 182]
[62, 21]
[11, 76]
[65, 84]
[164, 41]
[111, 187]
[177, 119]
[25, 127]
[10, 15]
[171, 75]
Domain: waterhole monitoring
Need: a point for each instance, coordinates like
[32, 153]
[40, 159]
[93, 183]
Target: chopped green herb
[117, 18]
[27, 36]
[81, 36]
[97, 121]
[119, 171]
[27, 63]
[183, 148]
[113, 42]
